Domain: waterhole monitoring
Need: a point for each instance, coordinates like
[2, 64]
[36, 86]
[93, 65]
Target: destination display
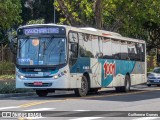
[41, 30]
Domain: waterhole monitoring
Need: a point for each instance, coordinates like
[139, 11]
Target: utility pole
[54, 14]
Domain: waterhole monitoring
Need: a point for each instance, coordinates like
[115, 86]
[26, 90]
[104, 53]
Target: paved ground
[107, 104]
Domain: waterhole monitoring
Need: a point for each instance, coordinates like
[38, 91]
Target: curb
[17, 94]
[29, 94]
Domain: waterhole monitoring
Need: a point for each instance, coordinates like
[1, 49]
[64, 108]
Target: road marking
[32, 104]
[37, 103]
[11, 107]
[30, 118]
[147, 118]
[109, 95]
[82, 110]
[86, 118]
[40, 109]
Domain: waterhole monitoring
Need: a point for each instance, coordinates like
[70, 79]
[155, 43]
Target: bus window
[73, 37]
[107, 49]
[116, 49]
[124, 50]
[132, 53]
[85, 45]
[140, 51]
[95, 45]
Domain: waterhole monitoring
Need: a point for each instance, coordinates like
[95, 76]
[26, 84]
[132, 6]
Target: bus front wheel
[80, 92]
[42, 93]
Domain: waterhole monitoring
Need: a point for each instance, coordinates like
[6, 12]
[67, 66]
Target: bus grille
[43, 85]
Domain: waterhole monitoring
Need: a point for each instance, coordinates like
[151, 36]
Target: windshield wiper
[24, 41]
[49, 43]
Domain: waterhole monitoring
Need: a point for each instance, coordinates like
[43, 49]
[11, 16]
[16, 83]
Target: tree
[76, 12]
[127, 17]
[9, 16]
[37, 9]
[38, 21]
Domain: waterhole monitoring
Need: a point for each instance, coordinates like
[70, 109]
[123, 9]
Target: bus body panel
[64, 82]
[109, 72]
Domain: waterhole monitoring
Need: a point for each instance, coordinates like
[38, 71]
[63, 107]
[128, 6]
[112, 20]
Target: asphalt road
[138, 104]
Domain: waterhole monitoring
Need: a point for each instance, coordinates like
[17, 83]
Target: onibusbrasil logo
[109, 68]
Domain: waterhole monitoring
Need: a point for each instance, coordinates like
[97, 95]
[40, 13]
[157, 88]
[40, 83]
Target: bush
[7, 68]
[8, 86]
[7, 77]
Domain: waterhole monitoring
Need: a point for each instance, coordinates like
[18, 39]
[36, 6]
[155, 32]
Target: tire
[42, 93]
[127, 84]
[149, 85]
[158, 85]
[81, 92]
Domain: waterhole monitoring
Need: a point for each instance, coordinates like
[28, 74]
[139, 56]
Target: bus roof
[90, 30]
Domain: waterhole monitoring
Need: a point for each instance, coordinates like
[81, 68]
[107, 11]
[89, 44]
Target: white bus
[58, 57]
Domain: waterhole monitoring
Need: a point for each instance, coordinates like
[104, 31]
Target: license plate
[38, 83]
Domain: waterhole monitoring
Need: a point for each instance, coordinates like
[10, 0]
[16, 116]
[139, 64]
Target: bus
[59, 57]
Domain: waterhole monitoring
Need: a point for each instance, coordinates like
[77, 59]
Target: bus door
[73, 49]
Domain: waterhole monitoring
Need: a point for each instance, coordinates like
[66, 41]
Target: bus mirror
[13, 45]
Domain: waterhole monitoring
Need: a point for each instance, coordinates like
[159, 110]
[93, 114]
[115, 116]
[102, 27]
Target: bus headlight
[59, 75]
[21, 76]
[55, 76]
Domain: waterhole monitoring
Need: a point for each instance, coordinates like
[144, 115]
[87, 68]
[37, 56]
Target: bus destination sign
[41, 31]
[29, 31]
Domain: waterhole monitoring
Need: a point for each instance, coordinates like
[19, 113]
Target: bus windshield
[41, 51]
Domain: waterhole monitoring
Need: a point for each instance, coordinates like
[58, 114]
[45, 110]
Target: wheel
[149, 85]
[80, 92]
[158, 85]
[42, 93]
[127, 84]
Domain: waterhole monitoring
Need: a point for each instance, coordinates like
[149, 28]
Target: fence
[7, 60]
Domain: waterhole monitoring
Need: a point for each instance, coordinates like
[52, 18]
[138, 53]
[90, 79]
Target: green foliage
[76, 12]
[7, 77]
[149, 69]
[9, 13]
[38, 21]
[137, 19]
[8, 86]
[6, 66]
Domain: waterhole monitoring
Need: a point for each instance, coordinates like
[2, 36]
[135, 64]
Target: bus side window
[85, 45]
[140, 51]
[124, 51]
[106, 48]
[95, 46]
[73, 37]
[132, 52]
[116, 49]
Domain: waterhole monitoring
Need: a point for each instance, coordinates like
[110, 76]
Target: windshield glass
[41, 51]
[156, 70]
